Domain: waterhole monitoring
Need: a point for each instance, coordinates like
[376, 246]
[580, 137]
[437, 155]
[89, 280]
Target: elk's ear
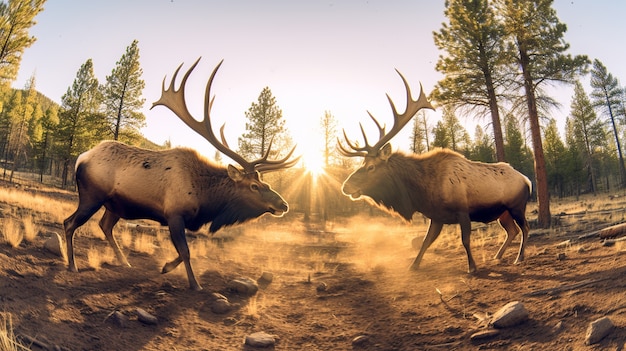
[385, 152]
[234, 173]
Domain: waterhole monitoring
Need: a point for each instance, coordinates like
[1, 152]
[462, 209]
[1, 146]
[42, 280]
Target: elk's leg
[520, 219]
[507, 222]
[70, 224]
[434, 228]
[177, 234]
[108, 221]
[466, 231]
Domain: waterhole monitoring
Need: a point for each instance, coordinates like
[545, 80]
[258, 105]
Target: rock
[484, 334]
[266, 278]
[564, 244]
[54, 244]
[321, 287]
[598, 329]
[119, 319]
[243, 286]
[145, 317]
[360, 341]
[510, 315]
[560, 256]
[218, 296]
[260, 339]
[221, 306]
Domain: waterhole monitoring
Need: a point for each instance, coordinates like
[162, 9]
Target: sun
[313, 161]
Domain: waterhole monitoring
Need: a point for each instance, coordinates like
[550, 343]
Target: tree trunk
[495, 120]
[541, 175]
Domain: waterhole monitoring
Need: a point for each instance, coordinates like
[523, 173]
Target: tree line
[498, 59]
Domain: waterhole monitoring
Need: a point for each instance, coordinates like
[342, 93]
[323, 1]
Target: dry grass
[12, 232]
[8, 340]
[144, 243]
[97, 256]
[31, 229]
[53, 210]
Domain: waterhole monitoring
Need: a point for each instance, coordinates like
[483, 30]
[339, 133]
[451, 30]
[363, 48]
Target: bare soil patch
[331, 284]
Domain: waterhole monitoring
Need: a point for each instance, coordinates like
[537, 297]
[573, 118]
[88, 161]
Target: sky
[315, 56]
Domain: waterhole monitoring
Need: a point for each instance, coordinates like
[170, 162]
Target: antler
[399, 121]
[175, 101]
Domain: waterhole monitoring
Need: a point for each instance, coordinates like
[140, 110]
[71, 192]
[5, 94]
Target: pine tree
[123, 95]
[538, 48]
[419, 136]
[556, 158]
[482, 150]
[328, 125]
[80, 122]
[16, 18]
[265, 122]
[518, 154]
[589, 132]
[607, 98]
[21, 121]
[474, 42]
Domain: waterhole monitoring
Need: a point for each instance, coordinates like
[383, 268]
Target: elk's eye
[254, 187]
[370, 168]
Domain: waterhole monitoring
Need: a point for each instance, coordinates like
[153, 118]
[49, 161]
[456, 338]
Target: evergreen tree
[22, 115]
[538, 48]
[518, 154]
[441, 137]
[265, 122]
[589, 132]
[420, 142]
[474, 44]
[450, 133]
[482, 150]
[607, 98]
[556, 158]
[81, 124]
[123, 95]
[328, 124]
[42, 144]
[16, 18]
[575, 164]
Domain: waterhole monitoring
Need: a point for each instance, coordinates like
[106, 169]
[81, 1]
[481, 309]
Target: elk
[175, 187]
[441, 184]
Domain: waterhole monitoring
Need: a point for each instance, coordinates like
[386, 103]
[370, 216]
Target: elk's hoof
[197, 287]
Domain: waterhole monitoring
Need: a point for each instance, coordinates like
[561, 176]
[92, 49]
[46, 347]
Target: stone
[221, 306]
[266, 278]
[243, 286]
[598, 329]
[360, 341]
[144, 317]
[510, 315]
[54, 244]
[260, 339]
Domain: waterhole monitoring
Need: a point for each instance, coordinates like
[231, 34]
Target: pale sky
[315, 56]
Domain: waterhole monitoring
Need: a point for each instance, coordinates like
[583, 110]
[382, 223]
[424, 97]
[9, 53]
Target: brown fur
[174, 187]
[448, 189]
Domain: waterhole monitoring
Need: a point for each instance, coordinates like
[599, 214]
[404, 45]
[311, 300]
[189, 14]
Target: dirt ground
[332, 284]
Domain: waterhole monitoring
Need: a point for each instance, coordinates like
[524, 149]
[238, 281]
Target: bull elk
[174, 187]
[442, 185]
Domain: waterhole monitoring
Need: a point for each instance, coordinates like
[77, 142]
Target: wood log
[613, 231]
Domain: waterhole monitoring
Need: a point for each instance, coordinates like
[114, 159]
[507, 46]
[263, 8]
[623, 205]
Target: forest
[497, 64]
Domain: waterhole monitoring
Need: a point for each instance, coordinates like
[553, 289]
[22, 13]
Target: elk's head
[372, 178]
[252, 196]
